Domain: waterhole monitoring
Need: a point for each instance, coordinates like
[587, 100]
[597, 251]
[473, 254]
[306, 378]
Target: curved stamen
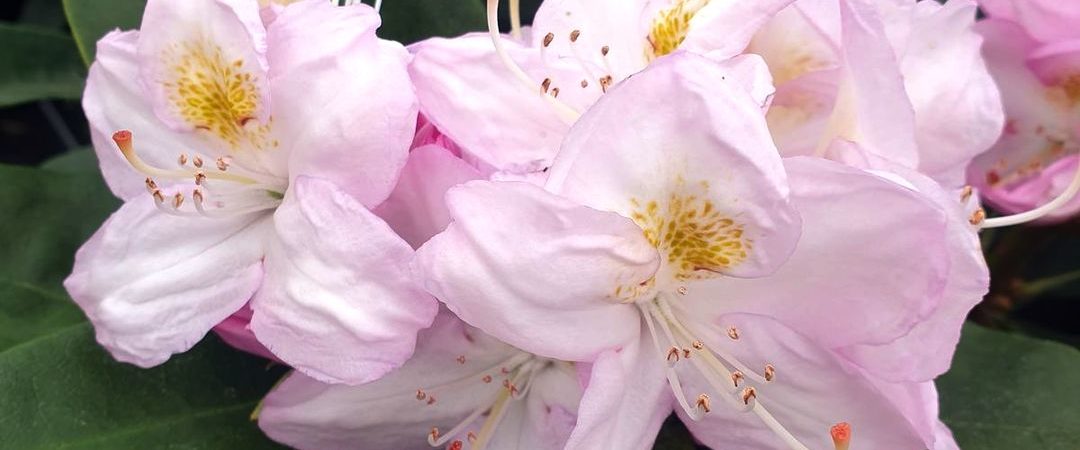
[669, 371]
[565, 112]
[1037, 213]
[123, 141]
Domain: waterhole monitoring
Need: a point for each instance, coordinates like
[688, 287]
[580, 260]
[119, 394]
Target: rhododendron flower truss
[509, 108]
[461, 390]
[247, 174]
[674, 249]
[1034, 53]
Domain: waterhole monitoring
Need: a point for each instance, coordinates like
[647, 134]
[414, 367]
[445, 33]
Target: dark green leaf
[45, 13]
[409, 21]
[38, 63]
[92, 19]
[79, 160]
[47, 216]
[1006, 391]
[62, 390]
[29, 312]
[674, 436]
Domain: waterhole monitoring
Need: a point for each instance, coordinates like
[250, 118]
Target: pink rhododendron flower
[904, 79]
[462, 389]
[1033, 49]
[513, 119]
[262, 154]
[674, 249]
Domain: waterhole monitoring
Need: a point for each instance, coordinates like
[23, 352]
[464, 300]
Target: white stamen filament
[378, 5]
[565, 112]
[711, 368]
[515, 19]
[1037, 213]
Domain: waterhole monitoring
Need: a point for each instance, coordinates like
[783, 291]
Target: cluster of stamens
[516, 372]
[255, 195]
[724, 373]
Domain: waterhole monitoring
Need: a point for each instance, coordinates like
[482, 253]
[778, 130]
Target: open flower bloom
[513, 118]
[674, 249]
[1033, 50]
[903, 76]
[461, 390]
[248, 174]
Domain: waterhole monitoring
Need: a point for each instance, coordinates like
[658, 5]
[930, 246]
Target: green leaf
[30, 312]
[674, 436]
[410, 21]
[78, 160]
[38, 63]
[47, 216]
[61, 390]
[92, 19]
[1006, 391]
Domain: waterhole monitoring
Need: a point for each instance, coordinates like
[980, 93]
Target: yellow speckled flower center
[670, 27]
[695, 238]
[212, 92]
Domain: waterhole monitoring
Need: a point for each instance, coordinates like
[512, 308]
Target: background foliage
[1013, 384]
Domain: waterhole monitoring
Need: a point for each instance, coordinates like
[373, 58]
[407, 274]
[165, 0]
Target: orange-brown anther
[673, 354]
[158, 197]
[584, 83]
[770, 372]
[431, 400]
[456, 445]
[487, 378]
[682, 290]
[434, 433]
[698, 345]
[200, 177]
[977, 217]
[965, 193]
[748, 394]
[471, 436]
[555, 92]
[178, 200]
[222, 165]
[841, 435]
[197, 196]
[545, 85]
[686, 353]
[604, 50]
[574, 35]
[182, 159]
[548, 38]
[461, 359]
[151, 186]
[196, 161]
[733, 333]
[703, 403]
[736, 377]
[420, 394]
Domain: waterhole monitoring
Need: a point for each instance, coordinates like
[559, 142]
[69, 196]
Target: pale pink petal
[799, 113]
[811, 391]
[338, 302]
[501, 123]
[235, 331]
[866, 269]
[211, 38]
[681, 133]
[958, 110]
[113, 101]
[388, 413]
[626, 400]
[927, 350]
[1045, 20]
[153, 284]
[725, 28]
[416, 209]
[344, 109]
[872, 107]
[538, 271]
[620, 25]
